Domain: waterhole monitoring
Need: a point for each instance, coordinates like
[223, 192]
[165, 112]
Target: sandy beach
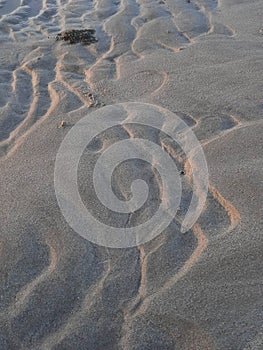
[199, 60]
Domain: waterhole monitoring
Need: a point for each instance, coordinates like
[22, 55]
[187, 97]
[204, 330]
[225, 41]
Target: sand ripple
[61, 292]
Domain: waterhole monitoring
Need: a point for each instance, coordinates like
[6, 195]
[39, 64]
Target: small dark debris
[74, 36]
[182, 172]
[92, 100]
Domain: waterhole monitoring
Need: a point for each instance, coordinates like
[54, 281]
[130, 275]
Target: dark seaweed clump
[74, 36]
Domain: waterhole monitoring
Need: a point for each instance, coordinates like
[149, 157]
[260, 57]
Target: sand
[196, 290]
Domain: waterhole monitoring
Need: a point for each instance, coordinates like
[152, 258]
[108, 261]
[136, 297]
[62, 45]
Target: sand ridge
[203, 289]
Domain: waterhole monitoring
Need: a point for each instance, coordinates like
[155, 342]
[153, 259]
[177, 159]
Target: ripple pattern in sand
[63, 300]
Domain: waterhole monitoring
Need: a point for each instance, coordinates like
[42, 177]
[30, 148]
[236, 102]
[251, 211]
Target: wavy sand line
[59, 78]
[139, 304]
[207, 8]
[207, 15]
[183, 12]
[140, 28]
[118, 68]
[129, 131]
[156, 19]
[16, 102]
[168, 47]
[202, 243]
[165, 81]
[89, 73]
[8, 6]
[188, 39]
[237, 125]
[142, 290]
[124, 6]
[143, 281]
[27, 12]
[14, 143]
[139, 55]
[141, 295]
[22, 132]
[75, 320]
[170, 150]
[240, 125]
[23, 125]
[231, 211]
[22, 298]
[41, 103]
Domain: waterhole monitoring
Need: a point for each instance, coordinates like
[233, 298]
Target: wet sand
[196, 290]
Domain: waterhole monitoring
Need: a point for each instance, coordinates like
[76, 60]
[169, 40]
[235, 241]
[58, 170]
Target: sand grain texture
[201, 59]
